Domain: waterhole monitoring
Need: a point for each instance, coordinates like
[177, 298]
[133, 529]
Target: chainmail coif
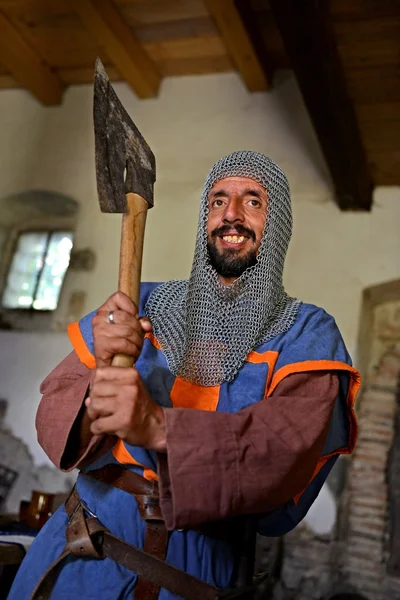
[206, 329]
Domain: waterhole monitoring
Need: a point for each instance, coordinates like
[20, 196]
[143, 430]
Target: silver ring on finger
[110, 317]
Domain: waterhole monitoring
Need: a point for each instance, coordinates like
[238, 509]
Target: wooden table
[11, 555]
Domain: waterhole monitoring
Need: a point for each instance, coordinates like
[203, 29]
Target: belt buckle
[82, 503]
[87, 510]
[71, 516]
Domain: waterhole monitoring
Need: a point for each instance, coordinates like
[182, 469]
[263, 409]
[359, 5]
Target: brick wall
[368, 549]
[355, 556]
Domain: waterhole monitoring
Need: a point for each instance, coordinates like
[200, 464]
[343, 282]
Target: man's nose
[234, 211]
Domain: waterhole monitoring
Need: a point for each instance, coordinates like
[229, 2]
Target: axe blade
[124, 161]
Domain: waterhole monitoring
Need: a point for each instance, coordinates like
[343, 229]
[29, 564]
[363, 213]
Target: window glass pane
[55, 267]
[25, 267]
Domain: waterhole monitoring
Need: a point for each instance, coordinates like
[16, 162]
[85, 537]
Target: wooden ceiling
[349, 78]
[367, 36]
[150, 39]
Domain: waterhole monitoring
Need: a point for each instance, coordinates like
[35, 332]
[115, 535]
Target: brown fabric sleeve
[60, 415]
[220, 465]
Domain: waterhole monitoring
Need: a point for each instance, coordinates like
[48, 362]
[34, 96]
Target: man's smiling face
[236, 219]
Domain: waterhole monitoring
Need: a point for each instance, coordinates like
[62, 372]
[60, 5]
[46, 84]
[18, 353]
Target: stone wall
[368, 524]
[356, 555]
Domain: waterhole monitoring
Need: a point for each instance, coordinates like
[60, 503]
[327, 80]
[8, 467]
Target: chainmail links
[207, 329]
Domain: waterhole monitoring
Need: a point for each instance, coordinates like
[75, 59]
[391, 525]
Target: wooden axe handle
[130, 260]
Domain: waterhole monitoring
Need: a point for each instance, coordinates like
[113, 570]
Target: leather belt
[145, 492]
[87, 537]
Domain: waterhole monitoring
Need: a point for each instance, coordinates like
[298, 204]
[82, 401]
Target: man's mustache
[227, 229]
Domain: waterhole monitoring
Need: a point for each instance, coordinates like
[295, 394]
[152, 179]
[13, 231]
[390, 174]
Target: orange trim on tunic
[185, 394]
[153, 340]
[328, 365]
[80, 347]
[312, 365]
[122, 455]
[270, 357]
[354, 386]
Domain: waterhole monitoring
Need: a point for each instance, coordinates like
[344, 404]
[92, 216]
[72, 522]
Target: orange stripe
[80, 347]
[185, 394]
[328, 365]
[153, 340]
[312, 365]
[270, 357]
[125, 458]
[354, 386]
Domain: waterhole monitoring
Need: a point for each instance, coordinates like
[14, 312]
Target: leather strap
[44, 586]
[123, 479]
[156, 571]
[145, 492]
[102, 543]
[88, 537]
[166, 576]
[79, 542]
[155, 543]
[147, 499]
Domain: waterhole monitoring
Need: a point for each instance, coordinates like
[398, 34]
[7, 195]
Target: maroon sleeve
[61, 414]
[219, 465]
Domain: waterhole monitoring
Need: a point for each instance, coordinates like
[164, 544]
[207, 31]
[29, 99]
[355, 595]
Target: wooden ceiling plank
[200, 65]
[186, 48]
[160, 11]
[168, 66]
[369, 42]
[238, 43]
[353, 10]
[8, 82]
[266, 37]
[378, 114]
[381, 137]
[308, 35]
[374, 85]
[81, 75]
[60, 39]
[174, 30]
[26, 67]
[112, 34]
[385, 167]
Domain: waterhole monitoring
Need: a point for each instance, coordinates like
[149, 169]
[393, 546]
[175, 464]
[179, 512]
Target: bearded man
[240, 401]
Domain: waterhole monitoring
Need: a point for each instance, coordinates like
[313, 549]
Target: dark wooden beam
[310, 42]
[102, 19]
[26, 67]
[237, 42]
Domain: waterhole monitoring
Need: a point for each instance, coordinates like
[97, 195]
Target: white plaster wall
[335, 255]
[194, 121]
[25, 360]
[21, 125]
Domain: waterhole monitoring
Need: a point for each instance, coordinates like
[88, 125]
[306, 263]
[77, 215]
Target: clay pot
[39, 509]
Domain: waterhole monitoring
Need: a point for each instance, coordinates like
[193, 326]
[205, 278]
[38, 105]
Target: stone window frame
[45, 231]
[22, 318]
[372, 297]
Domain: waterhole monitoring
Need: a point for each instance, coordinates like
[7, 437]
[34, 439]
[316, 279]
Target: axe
[125, 173]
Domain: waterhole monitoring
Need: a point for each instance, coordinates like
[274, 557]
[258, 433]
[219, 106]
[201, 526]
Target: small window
[37, 270]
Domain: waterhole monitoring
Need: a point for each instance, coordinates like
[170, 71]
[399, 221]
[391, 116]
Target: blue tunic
[313, 343]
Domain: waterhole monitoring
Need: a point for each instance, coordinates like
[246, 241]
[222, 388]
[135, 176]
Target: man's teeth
[233, 239]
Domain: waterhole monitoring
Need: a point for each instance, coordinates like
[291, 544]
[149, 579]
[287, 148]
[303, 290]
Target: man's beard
[227, 263]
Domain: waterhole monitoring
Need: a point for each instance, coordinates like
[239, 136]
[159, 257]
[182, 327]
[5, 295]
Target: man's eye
[255, 202]
[217, 202]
